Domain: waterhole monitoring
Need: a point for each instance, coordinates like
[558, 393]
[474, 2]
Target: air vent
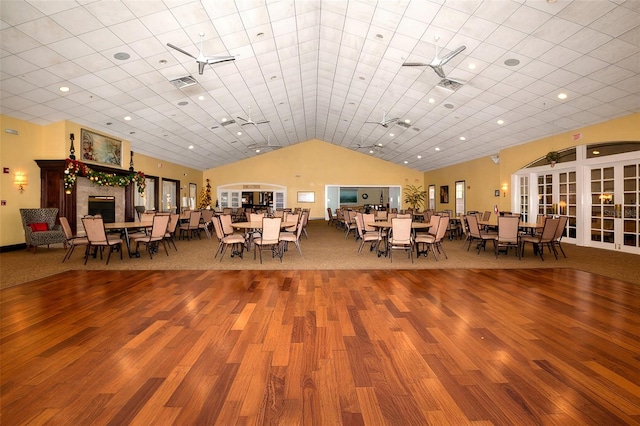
[226, 123]
[183, 82]
[403, 124]
[450, 84]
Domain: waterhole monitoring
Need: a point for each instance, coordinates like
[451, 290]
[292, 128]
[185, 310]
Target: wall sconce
[505, 188]
[20, 180]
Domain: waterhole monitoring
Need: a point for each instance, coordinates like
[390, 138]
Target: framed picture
[100, 149]
[444, 194]
[496, 193]
[306, 197]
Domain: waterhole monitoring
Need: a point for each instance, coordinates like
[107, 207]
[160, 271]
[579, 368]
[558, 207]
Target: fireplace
[104, 206]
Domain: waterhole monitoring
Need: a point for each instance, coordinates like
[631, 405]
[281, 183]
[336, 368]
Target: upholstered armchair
[40, 228]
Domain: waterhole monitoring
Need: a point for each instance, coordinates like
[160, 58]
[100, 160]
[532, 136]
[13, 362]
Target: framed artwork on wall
[306, 197]
[100, 149]
[444, 194]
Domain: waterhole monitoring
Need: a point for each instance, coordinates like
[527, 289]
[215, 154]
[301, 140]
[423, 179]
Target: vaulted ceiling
[321, 69]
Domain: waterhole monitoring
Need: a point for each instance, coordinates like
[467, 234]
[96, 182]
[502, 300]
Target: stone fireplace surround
[84, 189]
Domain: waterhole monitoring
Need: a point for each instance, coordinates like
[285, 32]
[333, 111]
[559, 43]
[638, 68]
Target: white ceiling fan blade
[450, 55]
[261, 122]
[414, 64]
[217, 59]
[180, 50]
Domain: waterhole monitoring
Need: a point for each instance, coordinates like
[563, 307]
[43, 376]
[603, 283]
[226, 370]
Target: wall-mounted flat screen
[348, 196]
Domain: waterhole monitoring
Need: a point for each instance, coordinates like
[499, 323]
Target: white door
[613, 206]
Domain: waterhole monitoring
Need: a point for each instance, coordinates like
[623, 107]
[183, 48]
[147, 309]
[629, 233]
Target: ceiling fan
[385, 121]
[257, 148]
[249, 120]
[437, 63]
[201, 59]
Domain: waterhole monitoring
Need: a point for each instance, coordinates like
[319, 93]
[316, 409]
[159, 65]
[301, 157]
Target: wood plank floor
[396, 347]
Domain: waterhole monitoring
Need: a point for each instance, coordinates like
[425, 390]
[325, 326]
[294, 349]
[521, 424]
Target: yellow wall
[484, 177]
[309, 166]
[34, 142]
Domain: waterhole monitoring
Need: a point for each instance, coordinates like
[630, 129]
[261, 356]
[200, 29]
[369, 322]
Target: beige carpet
[326, 248]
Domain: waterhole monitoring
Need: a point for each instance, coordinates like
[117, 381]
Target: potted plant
[553, 157]
[414, 195]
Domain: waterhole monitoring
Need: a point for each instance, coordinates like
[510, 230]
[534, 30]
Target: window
[460, 204]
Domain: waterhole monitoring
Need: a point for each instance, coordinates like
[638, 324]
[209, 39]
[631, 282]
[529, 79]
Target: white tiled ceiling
[321, 69]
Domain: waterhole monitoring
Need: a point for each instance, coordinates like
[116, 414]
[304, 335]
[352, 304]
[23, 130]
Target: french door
[614, 206]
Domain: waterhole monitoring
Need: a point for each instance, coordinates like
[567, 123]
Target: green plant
[553, 157]
[414, 195]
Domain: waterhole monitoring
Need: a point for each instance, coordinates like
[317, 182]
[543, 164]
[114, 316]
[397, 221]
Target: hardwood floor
[375, 347]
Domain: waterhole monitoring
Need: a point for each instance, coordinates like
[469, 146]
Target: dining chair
[170, 235]
[192, 226]
[374, 236]
[98, 239]
[478, 234]
[350, 223]
[270, 237]
[401, 237]
[464, 226]
[332, 218]
[562, 225]
[236, 241]
[433, 242]
[508, 235]
[292, 236]
[538, 241]
[292, 217]
[156, 236]
[305, 220]
[486, 216]
[72, 240]
[205, 221]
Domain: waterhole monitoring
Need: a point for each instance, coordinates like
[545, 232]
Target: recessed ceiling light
[472, 66]
[419, 157]
[224, 119]
[127, 118]
[562, 96]
[431, 100]
[500, 121]
[239, 133]
[406, 162]
[201, 98]
[258, 150]
[64, 89]
[437, 149]
[407, 121]
[462, 138]
[121, 56]
[391, 134]
[379, 144]
[512, 62]
[190, 146]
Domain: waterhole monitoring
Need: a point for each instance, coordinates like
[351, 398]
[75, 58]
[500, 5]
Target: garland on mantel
[78, 168]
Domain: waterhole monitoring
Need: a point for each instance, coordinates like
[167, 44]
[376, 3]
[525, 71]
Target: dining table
[125, 227]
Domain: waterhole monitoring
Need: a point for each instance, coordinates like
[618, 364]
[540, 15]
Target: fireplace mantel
[52, 193]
